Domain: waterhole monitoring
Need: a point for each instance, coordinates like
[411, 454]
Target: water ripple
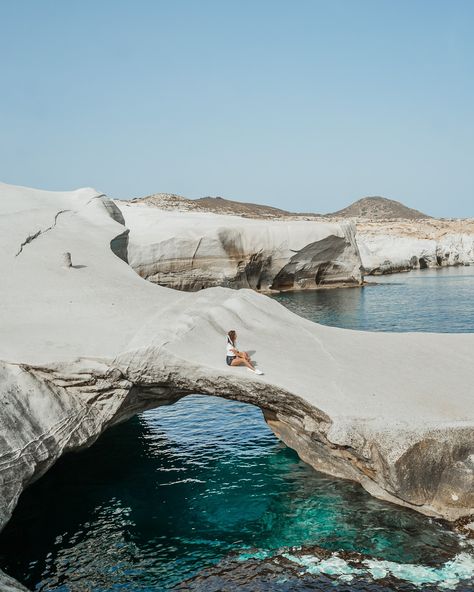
[180, 489]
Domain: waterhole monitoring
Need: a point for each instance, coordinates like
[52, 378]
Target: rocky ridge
[216, 205]
[192, 250]
[390, 237]
[367, 208]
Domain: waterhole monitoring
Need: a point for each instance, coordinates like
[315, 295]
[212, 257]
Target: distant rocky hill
[390, 237]
[218, 205]
[378, 208]
[367, 208]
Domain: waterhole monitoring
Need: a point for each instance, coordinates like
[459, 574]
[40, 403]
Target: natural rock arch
[93, 344]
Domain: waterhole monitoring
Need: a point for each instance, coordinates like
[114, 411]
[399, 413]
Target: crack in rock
[30, 238]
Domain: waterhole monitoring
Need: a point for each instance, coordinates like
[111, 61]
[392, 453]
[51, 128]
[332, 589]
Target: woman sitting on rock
[236, 357]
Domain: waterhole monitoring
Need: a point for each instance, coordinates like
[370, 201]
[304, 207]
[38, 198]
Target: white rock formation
[88, 346]
[191, 250]
[387, 247]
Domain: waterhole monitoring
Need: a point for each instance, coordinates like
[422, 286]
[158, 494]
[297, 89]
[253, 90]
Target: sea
[201, 495]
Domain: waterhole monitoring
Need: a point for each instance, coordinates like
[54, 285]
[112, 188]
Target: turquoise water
[204, 485]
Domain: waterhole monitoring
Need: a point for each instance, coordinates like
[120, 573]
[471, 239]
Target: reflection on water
[187, 487]
[438, 300]
[179, 488]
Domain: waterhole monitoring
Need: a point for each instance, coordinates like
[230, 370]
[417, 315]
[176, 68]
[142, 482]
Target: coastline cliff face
[392, 237]
[190, 244]
[401, 245]
[93, 344]
[192, 250]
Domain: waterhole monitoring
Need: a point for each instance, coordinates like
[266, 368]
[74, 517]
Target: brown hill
[378, 208]
[218, 205]
[368, 208]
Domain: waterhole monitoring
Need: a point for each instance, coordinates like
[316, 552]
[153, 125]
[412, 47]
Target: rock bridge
[86, 346]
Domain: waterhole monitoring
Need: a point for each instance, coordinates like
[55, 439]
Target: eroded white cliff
[391, 246]
[191, 250]
[86, 346]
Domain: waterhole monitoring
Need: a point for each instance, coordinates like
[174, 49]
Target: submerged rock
[86, 347]
[315, 568]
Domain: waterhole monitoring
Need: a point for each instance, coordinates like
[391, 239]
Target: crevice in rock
[30, 238]
[113, 210]
[319, 278]
[423, 263]
[195, 252]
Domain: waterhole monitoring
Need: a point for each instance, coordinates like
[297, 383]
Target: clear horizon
[306, 106]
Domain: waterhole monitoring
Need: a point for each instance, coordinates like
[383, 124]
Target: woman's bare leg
[240, 361]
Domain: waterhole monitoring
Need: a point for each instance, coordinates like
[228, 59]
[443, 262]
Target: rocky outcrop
[389, 236]
[388, 247]
[216, 205]
[378, 208]
[94, 343]
[191, 250]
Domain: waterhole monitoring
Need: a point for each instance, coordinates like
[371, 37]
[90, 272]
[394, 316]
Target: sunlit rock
[88, 346]
[388, 247]
[191, 250]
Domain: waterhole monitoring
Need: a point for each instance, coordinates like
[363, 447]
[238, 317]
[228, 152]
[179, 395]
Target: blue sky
[305, 105]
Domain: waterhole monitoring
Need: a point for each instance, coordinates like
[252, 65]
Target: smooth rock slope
[87, 346]
[191, 250]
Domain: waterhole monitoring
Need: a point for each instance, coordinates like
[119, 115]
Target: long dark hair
[231, 335]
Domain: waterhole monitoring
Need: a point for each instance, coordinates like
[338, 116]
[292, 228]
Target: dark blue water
[202, 491]
[434, 300]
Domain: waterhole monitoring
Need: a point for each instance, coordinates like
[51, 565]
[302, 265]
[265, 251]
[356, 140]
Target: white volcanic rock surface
[388, 246]
[82, 348]
[192, 250]
[48, 312]
[390, 236]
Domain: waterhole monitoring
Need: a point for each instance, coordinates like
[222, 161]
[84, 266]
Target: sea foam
[448, 575]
